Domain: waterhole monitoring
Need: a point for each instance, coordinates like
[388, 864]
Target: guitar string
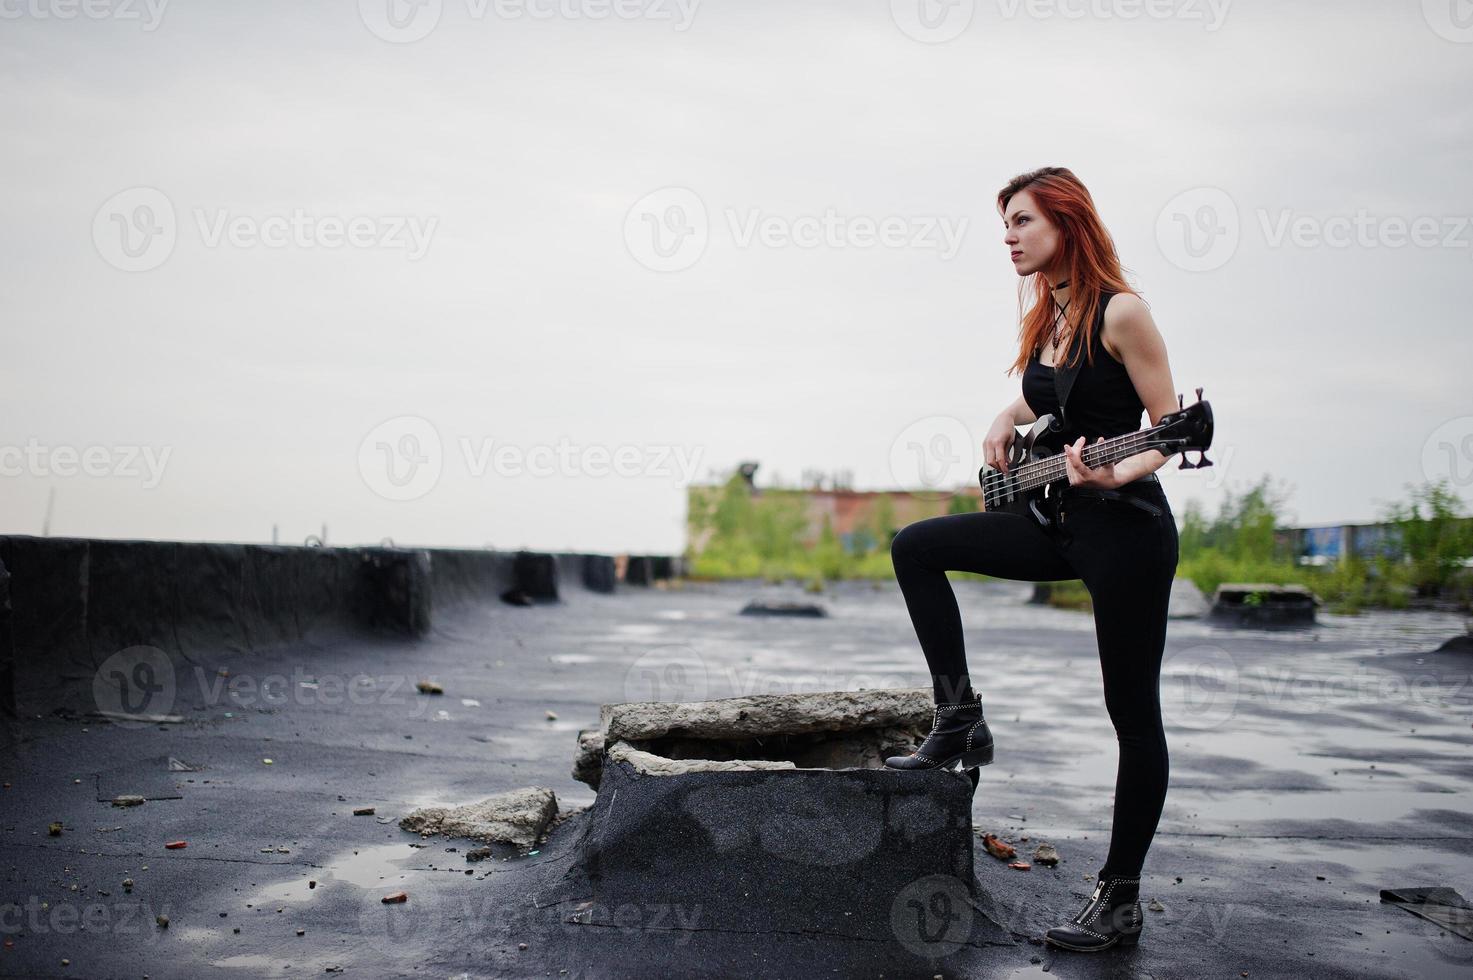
[1032, 467]
[1037, 467]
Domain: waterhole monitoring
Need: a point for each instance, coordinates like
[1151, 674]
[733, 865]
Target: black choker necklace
[1060, 285]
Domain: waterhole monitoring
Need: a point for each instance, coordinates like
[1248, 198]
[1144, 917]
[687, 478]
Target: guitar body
[1035, 476]
[1034, 502]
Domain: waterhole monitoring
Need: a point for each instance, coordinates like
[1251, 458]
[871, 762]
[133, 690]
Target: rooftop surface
[1309, 770]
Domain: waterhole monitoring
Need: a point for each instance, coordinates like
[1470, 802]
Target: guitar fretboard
[1038, 472]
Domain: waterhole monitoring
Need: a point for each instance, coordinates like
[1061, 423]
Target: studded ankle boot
[1113, 917]
[958, 735]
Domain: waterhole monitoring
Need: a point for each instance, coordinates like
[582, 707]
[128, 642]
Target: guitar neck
[1054, 468]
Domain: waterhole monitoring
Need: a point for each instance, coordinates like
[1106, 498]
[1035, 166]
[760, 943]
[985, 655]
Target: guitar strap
[1064, 377]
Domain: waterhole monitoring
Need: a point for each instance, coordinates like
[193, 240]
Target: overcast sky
[511, 273]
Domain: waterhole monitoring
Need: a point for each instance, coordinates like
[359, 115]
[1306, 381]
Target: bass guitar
[1034, 476]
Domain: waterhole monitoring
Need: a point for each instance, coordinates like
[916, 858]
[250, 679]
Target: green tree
[882, 521]
[961, 503]
[1435, 537]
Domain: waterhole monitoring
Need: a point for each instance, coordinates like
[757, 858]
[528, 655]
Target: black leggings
[1126, 557]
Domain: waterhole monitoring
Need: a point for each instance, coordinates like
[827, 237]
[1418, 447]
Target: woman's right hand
[997, 443]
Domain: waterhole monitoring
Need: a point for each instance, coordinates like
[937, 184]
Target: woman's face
[1031, 238]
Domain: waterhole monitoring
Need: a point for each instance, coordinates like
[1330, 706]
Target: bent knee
[901, 544]
[907, 543]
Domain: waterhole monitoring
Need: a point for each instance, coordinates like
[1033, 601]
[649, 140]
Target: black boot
[1113, 917]
[958, 735]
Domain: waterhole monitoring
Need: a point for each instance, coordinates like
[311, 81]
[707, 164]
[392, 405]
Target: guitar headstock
[1186, 430]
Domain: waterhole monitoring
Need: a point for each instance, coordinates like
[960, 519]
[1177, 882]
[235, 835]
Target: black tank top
[1103, 401]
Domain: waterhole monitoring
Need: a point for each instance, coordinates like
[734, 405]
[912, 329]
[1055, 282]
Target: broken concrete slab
[825, 730]
[762, 714]
[650, 764]
[518, 817]
[858, 853]
[774, 812]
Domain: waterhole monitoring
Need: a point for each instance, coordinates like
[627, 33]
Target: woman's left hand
[1102, 477]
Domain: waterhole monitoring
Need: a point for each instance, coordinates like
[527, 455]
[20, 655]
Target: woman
[1113, 526]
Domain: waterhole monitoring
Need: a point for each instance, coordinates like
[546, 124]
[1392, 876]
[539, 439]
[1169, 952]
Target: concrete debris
[824, 730]
[764, 714]
[654, 765]
[1045, 854]
[518, 816]
[588, 759]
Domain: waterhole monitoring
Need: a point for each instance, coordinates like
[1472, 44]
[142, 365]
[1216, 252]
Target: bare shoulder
[1127, 325]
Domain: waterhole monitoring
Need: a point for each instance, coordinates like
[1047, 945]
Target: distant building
[861, 519]
[1327, 544]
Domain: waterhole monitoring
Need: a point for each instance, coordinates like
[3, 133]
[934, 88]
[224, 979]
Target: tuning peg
[1202, 460]
[1185, 465]
[1199, 394]
[1178, 401]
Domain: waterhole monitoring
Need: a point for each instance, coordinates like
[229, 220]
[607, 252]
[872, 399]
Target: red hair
[1090, 261]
